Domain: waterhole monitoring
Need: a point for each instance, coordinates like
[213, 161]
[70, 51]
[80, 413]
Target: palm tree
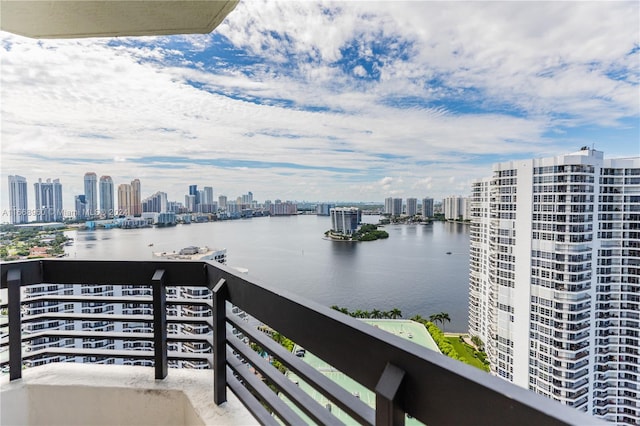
[395, 313]
[444, 317]
[417, 318]
[345, 311]
[376, 314]
[435, 318]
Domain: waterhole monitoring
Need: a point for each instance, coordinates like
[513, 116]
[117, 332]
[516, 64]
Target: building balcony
[406, 379]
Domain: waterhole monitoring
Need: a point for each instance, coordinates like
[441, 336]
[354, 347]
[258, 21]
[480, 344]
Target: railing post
[161, 360]
[388, 410]
[14, 279]
[219, 293]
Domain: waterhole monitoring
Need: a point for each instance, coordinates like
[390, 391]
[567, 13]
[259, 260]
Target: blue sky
[341, 101]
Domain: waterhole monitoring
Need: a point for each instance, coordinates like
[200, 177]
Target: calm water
[410, 270]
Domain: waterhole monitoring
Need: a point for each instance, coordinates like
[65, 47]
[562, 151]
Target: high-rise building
[555, 278]
[107, 205]
[48, 200]
[156, 203]
[19, 212]
[193, 190]
[345, 220]
[124, 200]
[81, 207]
[396, 207]
[324, 209]
[388, 205]
[455, 208]
[91, 194]
[136, 198]
[427, 207]
[222, 202]
[412, 206]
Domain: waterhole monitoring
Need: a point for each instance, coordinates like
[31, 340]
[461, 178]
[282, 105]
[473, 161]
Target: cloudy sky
[341, 101]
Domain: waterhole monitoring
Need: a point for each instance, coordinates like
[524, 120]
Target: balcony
[404, 377]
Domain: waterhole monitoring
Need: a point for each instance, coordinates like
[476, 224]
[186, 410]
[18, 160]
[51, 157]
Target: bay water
[419, 269]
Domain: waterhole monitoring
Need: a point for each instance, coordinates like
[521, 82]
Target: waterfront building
[427, 207]
[48, 200]
[107, 205]
[124, 199]
[222, 202]
[279, 208]
[412, 206]
[91, 194]
[81, 207]
[388, 205]
[155, 203]
[345, 220]
[18, 203]
[455, 208]
[396, 207]
[554, 279]
[190, 203]
[136, 198]
[193, 190]
[324, 209]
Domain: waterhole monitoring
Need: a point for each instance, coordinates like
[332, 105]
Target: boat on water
[194, 253]
[448, 252]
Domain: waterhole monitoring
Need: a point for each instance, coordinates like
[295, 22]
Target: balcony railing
[405, 377]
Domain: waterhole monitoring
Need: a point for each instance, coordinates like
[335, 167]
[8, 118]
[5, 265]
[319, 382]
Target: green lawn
[467, 352]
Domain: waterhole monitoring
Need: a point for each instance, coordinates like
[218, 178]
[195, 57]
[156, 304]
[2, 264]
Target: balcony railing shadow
[407, 379]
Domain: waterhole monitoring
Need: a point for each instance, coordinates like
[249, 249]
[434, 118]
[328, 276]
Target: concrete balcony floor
[90, 394]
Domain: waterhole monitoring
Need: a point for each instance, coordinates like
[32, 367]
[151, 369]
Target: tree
[376, 314]
[395, 313]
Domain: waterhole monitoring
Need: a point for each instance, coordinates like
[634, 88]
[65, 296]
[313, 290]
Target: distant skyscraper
[427, 207]
[156, 203]
[107, 206]
[48, 200]
[124, 199]
[190, 203]
[136, 197]
[18, 200]
[193, 190]
[207, 195]
[554, 279]
[412, 206]
[396, 207]
[222, 202]
[81, 207]
[388, 205]
[91, 194]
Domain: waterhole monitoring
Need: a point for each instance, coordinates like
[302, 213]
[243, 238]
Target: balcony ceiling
[82, 18]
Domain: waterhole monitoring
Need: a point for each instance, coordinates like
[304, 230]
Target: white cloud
[501, 82]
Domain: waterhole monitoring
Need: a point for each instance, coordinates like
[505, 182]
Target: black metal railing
[406, 378]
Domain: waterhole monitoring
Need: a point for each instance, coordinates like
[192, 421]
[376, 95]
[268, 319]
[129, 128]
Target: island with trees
[367, 232]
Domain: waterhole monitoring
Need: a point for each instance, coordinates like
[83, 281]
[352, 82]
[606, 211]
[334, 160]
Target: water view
[411, 270]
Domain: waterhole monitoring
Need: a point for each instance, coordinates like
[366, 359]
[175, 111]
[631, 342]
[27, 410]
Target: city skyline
[341, 101]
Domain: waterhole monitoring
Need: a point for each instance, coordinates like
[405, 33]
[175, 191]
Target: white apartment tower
[555, 279]
[18, 200]
[91, 194]
[48, 200]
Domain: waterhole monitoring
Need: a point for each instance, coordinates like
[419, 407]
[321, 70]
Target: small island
[346, 225]
[367, 232]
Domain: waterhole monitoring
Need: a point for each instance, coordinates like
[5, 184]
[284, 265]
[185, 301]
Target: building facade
[91, 194]
[555, 278]
[48, 200]
[345, 220]
[412, 206]
[396, 207]
[455, 208]
[427, 207]
[18, 202]
[107, 205]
